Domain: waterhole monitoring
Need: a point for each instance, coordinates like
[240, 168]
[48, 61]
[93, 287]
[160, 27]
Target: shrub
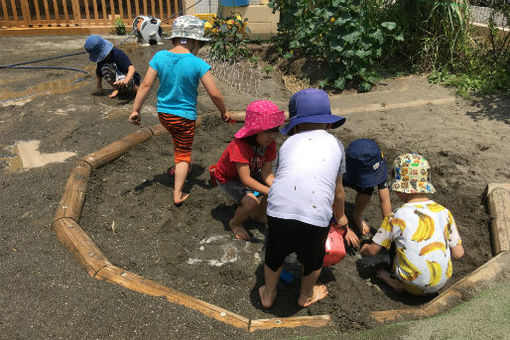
[229, 37]
[119, 28]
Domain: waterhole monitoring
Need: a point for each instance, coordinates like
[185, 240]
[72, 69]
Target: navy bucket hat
[311, 106]
[365, 164]
[98, 48]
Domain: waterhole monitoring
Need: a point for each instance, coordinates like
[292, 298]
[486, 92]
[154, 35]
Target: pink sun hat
[261, 115]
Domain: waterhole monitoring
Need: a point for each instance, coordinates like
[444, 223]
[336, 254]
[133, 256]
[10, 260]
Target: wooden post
[499, 209]
[66, 13]
[47, 12]
[85, 251]
[110, 152]
[161, 15]
[153, 8]
[291, 322]
[14, 11]
[145, 7]
[103, 7]
[77, 11]
[4, 8]
[130, 16]
[37, 11]
[74, 193]
[25, 10]
[57, 12]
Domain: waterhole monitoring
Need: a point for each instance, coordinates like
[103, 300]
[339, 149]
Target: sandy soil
[128, 210]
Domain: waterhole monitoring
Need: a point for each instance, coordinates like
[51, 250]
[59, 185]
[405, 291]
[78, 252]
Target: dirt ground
[129, 215]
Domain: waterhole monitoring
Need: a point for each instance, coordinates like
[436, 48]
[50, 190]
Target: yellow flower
[332, 19]
[207, 26]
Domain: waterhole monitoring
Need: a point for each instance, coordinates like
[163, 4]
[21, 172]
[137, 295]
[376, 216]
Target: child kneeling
[307, 191]
[245, 169]
[423, 232]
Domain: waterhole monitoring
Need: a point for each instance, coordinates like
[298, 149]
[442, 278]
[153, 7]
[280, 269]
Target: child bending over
[306, 193]
[366, 169]
[179, 72]
[245, 167]
[113, 65]
[422, 232]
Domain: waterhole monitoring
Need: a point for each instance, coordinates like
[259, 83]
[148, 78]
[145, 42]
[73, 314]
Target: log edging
[70, 234]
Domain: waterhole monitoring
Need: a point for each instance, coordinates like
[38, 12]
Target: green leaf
[352, 37]
[323, 83]
[287, 55]
[390, 25]
[364, 87]
[340, 83]
[400, 37]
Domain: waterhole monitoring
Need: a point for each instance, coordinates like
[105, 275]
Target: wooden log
[110, 152]
[291, 322]
[158, 130]
[85, 251]
[139, 284]
[499, 210]
[74, 193]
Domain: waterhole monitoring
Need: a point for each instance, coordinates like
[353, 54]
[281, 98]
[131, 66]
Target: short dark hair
[252, 140]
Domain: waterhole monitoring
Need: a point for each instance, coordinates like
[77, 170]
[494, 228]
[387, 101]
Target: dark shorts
[366, 191]
[289, 236]
[236, 190]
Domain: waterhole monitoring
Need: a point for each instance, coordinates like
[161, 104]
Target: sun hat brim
[182, 36]
[336, 121]
[106, 48]
[246, 131]
[396, 185]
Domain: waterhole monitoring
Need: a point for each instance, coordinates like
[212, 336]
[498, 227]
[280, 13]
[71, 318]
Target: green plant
[229, 37]
[336, 32]
[119, 28]
[268, 70]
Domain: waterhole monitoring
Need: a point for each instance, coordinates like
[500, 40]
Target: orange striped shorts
[182, 131]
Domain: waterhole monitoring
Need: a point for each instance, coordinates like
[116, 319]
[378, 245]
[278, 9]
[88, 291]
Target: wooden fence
[26, 14]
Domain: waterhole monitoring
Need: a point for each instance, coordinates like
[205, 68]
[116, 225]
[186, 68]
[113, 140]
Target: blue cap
[98, 48]
[365, 164]
[310, 106]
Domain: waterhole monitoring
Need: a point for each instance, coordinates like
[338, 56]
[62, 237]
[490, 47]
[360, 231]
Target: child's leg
[390, 281]
[248, 205]
[259, 214]
[360, 203]
[309, 292]
[181, 171]
[268, 291]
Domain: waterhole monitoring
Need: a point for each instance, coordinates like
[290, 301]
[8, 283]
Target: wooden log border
[70, 234]
[498, 199]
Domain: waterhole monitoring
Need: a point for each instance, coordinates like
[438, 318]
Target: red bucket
[335, 247]
[212, 177]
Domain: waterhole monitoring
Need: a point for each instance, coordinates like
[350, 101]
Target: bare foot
[389, 280]
[319, 293]
[363, 226]
[179, 199]
[113, 94]
[266, 298]
[239, 231]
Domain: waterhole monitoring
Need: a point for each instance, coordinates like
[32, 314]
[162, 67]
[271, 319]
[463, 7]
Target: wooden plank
[103, 4]
[139, 284]
[145, 7]
[161, 15]
[176, 7]
[85, 251]
[74, 193]
[14, 11]
[153, 8]
[77, 11]
[121, 10]
[114, 150]
[47, 10]
[4, 8]
[129, 14]
[499, 210]
[137, 8]
[37, 11]
[57, 13]
[291, 322]
[66, 13]
[112, 10]
[96, 14]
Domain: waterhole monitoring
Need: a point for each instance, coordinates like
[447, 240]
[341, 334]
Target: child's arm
[385, 201]
[215, 95]
[267, 173]
[339, 213]
[99, 84]
[243, 169]
[141, 95]
[127, 78]
[457, 251]
[370, 249]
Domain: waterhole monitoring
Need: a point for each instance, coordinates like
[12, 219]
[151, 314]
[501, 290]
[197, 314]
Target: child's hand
[122, 83]
[135, 118]
[226, 116]
[351, 238]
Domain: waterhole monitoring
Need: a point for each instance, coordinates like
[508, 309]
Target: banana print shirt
[423, 233]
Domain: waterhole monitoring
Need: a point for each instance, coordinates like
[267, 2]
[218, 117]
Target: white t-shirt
[307, 168]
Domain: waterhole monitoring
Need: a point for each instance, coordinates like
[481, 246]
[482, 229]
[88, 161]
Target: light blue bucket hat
[188, 27]
[98, 48]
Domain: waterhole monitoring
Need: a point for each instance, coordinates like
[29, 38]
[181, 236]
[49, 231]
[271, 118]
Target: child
[245, 167]
[113, 65]
[179, 72]
[366, 168]
[424, 232]
[307, 192]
